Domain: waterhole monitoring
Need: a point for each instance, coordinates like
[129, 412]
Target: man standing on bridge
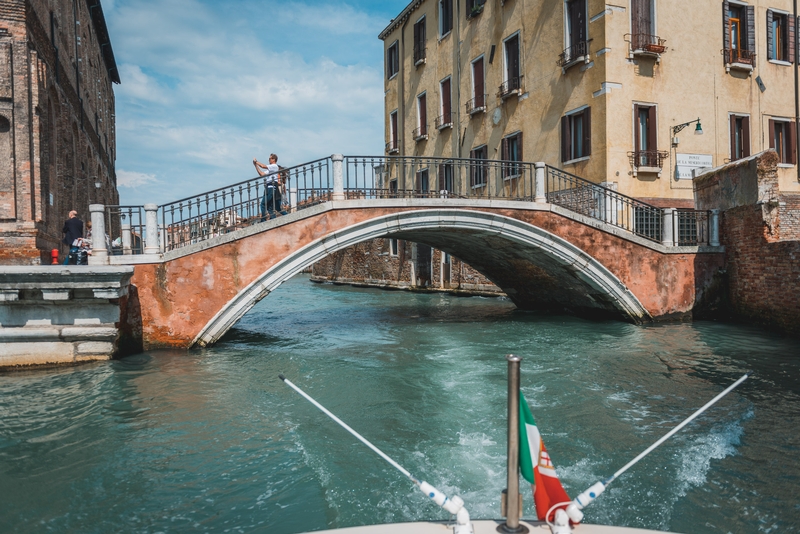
[272, 196]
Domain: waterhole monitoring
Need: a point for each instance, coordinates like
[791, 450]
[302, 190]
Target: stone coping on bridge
[412, 203]
[60, 314]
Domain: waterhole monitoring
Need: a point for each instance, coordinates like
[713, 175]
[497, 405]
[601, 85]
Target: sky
[207, 85]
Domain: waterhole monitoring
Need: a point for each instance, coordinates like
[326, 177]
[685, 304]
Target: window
[445, 179]
[392, 60]
[478, 102]
[646, 153]
[739, 40]
[576, 135]
[740, 136]
[511, 150]
[780, 35]
[575, 32]
[513, 81]
[445, 119]
[782, 139]
[422, 118]
[393, 247]
[643, 29]
[419, 42]
[445, 17]
[478, 171]
[423, 183]
[392, 145]
[474, 7]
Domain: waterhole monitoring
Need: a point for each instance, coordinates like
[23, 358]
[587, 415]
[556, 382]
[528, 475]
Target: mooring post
[151, 229]
[539, 182]
[99, 255]
[338, 176]
[667, 237]
[713, 230]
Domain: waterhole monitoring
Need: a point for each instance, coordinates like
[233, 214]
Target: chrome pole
[512, 487]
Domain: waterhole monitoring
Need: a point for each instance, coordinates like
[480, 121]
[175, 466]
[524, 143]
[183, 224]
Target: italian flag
[535, 464]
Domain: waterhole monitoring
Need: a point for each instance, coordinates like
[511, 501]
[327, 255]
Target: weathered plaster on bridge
[542, 256]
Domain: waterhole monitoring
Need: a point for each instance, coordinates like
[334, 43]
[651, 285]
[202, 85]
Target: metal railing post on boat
[512, 507]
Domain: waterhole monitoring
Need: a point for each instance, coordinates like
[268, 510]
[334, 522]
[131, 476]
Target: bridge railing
[201, 217]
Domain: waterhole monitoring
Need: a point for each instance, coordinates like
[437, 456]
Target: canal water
[212, 440]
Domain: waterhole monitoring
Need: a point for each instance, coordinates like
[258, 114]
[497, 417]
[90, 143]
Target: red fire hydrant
[54, 256]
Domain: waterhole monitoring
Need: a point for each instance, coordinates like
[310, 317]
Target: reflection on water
[213, 441]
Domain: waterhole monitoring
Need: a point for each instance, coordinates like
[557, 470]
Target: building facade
[608, 92]
[57, 135]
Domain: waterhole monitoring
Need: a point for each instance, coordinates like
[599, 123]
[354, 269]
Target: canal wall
[66, 314]
[760, 229]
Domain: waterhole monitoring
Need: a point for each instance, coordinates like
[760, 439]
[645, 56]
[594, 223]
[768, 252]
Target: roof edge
[100, 28]
[399, 19]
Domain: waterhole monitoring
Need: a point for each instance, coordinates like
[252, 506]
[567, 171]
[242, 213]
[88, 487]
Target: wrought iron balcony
[421, 132]
[476, 105]
[513, 86]
[391, 147]
[737, 56]
[475, 8]
[649, 159]
[646, 44]
[573, 54]
[419, 55]
[443, 121]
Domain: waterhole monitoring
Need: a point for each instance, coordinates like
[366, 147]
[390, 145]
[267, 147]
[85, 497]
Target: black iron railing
[737, 55]
[125, 219]
[476, 105]
[419, 54]
[573, 53]
[644, 42]
[421, 132]
[443, 121]
[512, 86]
[391, 146]
[648, 158]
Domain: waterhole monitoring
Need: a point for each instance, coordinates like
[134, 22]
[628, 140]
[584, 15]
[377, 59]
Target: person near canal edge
[272, 196]
[73, 229]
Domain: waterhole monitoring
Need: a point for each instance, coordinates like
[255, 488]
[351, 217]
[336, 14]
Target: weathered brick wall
[51, 158]
[371, 263]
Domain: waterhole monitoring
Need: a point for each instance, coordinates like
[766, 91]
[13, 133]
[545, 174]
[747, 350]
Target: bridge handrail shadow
[200, 217]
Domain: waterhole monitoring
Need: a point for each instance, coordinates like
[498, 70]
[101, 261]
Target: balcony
[391, 147]
[421, 133]
[419, 55]
[513, 86]
[443, 121]
[651, 161]
[477, 105]
[475, 9]
[646, 45]
[738, 59]
[578, 53]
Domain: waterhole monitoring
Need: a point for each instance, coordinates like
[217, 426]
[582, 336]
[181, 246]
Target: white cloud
[131, 179]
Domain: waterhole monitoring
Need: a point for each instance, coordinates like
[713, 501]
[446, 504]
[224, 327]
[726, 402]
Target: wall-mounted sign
[686, 163]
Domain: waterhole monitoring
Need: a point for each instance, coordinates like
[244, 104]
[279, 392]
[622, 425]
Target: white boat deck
[481, 527]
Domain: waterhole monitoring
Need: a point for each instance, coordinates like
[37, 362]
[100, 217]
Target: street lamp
[675, 129]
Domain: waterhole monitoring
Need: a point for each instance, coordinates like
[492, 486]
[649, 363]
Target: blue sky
[208, 85]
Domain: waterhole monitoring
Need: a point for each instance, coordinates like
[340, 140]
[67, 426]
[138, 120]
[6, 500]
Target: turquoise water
[212, 440]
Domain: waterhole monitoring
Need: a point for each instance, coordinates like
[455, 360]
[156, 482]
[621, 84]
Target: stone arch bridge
[540, 247]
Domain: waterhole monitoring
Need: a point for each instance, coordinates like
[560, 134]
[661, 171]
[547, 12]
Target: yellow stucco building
[601, 90]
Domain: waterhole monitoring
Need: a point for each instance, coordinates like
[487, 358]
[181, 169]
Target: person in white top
[271, 202]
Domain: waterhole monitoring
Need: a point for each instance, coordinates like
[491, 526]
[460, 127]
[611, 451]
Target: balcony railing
[419, 55]
[421, 132]
[646, 43]
[648, 158]
[512, 86]
[476, 105]
[739, 56]
[573, 54]
[391, 147]
[443, 121]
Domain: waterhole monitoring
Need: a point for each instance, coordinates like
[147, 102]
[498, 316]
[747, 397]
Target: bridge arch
[533, 266]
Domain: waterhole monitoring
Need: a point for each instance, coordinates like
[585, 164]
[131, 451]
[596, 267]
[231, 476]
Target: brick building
[57, 136]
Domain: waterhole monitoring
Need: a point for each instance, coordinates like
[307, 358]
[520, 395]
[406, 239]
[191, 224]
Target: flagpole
[512, 509]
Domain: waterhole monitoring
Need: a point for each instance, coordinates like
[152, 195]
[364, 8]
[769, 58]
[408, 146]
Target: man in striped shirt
[272, 196]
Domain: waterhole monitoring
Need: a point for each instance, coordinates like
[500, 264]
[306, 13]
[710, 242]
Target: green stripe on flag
[526, 456]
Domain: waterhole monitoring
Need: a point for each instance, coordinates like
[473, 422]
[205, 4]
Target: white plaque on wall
[686, 163]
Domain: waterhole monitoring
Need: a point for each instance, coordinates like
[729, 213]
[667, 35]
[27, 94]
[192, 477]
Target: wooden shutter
[423, 114]
[770, 36]
[733, 137]
[512, 60]
[478, 77]
[504, 149]
[637, 135]
[726, 30]
[441, 177]
[791, 39]
[792, 141]
[641, 17]
[565, 148]
[745, 137]
[587, 132]
[652, 129]
[751, 30]
[519, 147]
[772, 134]
[446, 101]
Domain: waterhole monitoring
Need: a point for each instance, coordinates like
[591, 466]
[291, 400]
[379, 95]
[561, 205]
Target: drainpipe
[796, 98]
